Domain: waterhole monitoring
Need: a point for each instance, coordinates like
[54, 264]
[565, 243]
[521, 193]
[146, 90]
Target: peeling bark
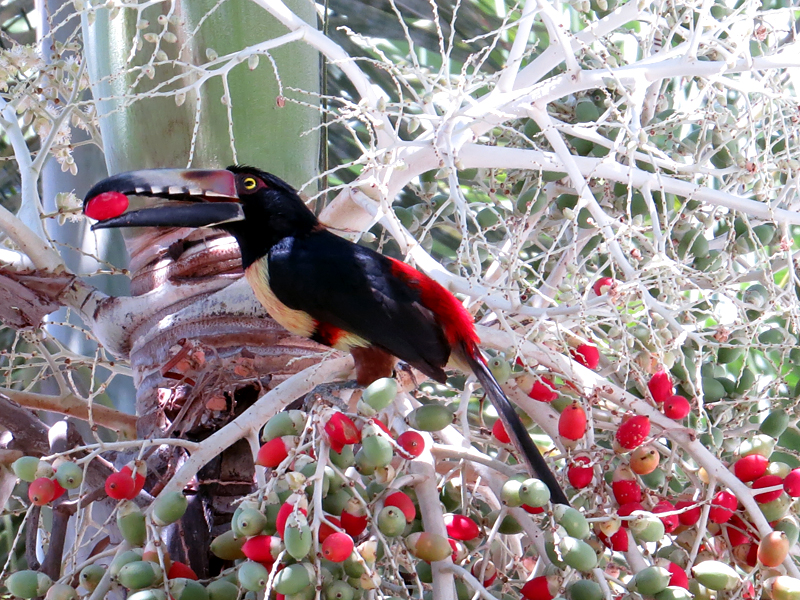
[26, 297]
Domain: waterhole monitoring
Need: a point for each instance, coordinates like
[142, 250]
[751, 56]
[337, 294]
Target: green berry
[123, 559]
[227, 546]
[584, 589]
[222, 589]
[380, 393]
[377, 450]
[716, 575]
[775, 424]
[572, 520]
[509, 494]
[288, 422]
[339, 590]
[250, 521]
[500, 368]
[25, 468]
[24, 584]
[391, 521]
[187, 589]
[131, 523]
[69, 475]
[297, 536]
[169, 507]
[577, 554]
[90, 576]
[61, 591]
[140, 574]
[430, 417]
[650, 581]
[253, 576]
[534, 493]
[292, 579]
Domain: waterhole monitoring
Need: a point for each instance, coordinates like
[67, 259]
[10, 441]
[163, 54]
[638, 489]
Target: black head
[256, 207]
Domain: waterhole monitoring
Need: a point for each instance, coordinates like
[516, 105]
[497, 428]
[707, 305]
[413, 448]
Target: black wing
[353, 288]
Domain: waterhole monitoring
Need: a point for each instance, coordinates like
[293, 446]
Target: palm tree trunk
[196, 368]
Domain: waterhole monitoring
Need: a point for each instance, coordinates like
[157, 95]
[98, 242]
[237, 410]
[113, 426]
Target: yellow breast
[295, 321]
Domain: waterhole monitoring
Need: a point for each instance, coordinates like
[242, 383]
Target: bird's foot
[326, 392]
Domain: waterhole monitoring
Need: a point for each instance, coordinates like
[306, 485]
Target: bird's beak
[203, 198]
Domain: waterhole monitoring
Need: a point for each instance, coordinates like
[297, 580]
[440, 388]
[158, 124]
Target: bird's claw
[325, 393]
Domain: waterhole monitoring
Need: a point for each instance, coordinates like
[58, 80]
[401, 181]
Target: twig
[74, 406]
[30, 434]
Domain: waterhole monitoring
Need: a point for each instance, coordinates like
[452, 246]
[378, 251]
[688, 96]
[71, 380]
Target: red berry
[633, 431]
[722, 506]
[337, 547]
[489, 574]
[59, 491]
[138, 481]
[540, 588]
[626, 509]
[688, 517]
[179, 569]
[572, 422]
[737, 531]
[120, 486]
[402, 501]
[325, 529]
[587, 355]
[610, 541]
[677, 407]
[381, 425]
[460, 527]
[499, 432]
[736, 537]
[670, 521]
[412, 443]
[660, 386]
[262, 548]
[578, 475]
[543, 390]
[42, 490]
[626, 491]
[619, 541]
[272, 453]
[767, 481]
[751, 558]
[341, 431]
[106, 205]
[533, 510]
[678, 576]
[792, 483]
[603, 282]
[751, 467]
[354, 518]
[283, 514]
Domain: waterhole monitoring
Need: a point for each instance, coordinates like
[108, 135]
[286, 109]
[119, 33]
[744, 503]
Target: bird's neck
[275, 216]
[257, 242]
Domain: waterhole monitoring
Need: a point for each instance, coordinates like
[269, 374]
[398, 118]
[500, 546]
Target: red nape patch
[106, 205]
[457, 323]
[327, 334]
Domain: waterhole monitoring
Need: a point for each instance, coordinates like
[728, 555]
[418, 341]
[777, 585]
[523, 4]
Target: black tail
[516, 430]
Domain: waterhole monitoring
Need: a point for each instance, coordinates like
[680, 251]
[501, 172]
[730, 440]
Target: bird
[318, 284]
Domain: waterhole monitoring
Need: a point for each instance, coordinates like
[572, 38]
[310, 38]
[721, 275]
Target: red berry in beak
[106, 206]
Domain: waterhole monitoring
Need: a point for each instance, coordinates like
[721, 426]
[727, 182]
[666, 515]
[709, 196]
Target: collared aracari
[317, 284]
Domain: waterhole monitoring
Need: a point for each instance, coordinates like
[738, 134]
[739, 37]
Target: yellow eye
[249, 183]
